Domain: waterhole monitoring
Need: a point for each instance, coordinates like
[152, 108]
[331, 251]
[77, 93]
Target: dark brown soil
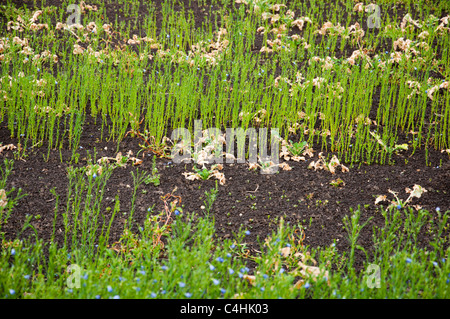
[249, 199]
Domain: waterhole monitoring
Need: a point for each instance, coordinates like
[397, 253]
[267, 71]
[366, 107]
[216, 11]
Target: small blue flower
[26, 276]
[153, 295]
[307, 285]
[282, 270]
[188, 295]
[68, 256]
[38, 69]
[142, 272]
[243, 270]
[223, 291]
[164, 267]
[70, 290]
[408, 260]
[109, 288]
[233, 246]
[212, 268]
[85, 276]
[230, 271]
[228, 255]
[426, 91]
[168, 36]
[138, 289]
[116, 297]
[177, 212]
[220, 259]
[56, 82]
[435, 263]
[94, 176]
[138, 279]
[240, 275]
[216, 282]
[399, 206]
[288, 245]
[262, 288]
[181, 284]
[12, 291]
[13, 252]
[438, 209]
[97, 297]
[247, 232]
[265, 276]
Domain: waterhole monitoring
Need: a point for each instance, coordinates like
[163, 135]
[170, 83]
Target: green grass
[176, 254]
[182, 83]
[182, 258]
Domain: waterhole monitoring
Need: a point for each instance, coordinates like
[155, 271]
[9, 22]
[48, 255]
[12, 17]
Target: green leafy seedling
[296, 149]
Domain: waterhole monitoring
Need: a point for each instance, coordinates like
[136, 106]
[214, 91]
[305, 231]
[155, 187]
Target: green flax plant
[84, 205]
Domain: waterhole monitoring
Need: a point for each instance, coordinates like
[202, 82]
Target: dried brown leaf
[250, 279]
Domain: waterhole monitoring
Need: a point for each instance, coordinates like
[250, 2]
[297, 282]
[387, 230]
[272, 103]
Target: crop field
[235, 149]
